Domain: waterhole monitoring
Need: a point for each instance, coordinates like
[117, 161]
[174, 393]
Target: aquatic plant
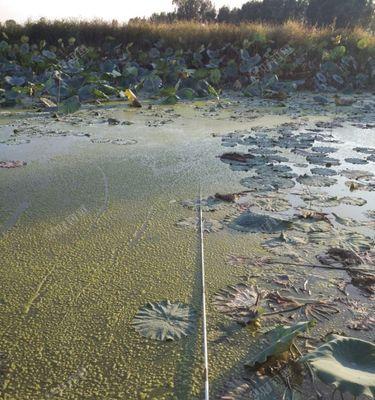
[252, 222]
[346, 363]
[240, 302]
[164, 320]
[177, 61]
[280, 340]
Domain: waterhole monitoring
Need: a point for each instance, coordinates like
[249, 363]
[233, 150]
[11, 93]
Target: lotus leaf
[356, 174]
[152, 84]
[15, 80]
[239, 302]
[316, 180]
[347, 363]
[164, 320]
[252, 222]
[323, 171]
[267, 183]
[353, 201]
[353, 160]
[70, 105]
[280, 340]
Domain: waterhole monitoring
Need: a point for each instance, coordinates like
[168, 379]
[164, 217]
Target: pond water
[101, 220]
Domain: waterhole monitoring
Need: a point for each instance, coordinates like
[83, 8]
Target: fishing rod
[204, 319]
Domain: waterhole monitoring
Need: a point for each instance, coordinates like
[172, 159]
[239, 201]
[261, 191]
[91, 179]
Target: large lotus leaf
[164, 320]
[15, 80]
[130, 71]
[239, 302]
[355, 160]
[330, 67]
[337, 53]
[244, 54]
[215, 76]
[265, 183]
[231, 70]
[154, 53]
[70, 105]
[323, 171]
[357, 174]
[86, 92]
[152, 83]
[252, 222]
[108, 66]
[4, 46]
[322, 159]
[50, 55]
[316, 180]
[280, 340]
[347, 363]
[249, 63]
[186, 93]
[24, 48]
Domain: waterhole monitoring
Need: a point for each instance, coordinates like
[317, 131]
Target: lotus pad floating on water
[238, 301]
[164, 320]
[357, 174]
[323, 171]
[347, 363]
[354, 160]
[252, 222]
[265, 183]
[316, 180]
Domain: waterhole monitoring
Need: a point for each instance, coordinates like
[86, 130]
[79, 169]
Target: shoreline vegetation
[97, 60]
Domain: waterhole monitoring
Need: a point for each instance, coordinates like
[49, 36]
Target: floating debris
[228, 198]
[12, 164]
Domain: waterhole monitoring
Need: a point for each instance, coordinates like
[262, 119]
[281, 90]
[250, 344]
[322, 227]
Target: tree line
[341, 13]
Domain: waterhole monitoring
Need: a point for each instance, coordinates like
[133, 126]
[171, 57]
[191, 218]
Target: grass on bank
[188, 35]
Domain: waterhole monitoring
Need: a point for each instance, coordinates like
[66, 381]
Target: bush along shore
[180, 61]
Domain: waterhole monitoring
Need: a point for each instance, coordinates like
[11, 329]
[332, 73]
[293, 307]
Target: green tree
[199, 10]
[342, 13]
[224, 14]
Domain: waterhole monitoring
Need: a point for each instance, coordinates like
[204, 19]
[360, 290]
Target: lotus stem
[316, 266]
[282, 311]
[311, 372]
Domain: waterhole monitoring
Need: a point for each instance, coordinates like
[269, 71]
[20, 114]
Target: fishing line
[204, 317]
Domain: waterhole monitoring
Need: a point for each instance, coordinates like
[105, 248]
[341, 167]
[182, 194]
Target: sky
[122, 10]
